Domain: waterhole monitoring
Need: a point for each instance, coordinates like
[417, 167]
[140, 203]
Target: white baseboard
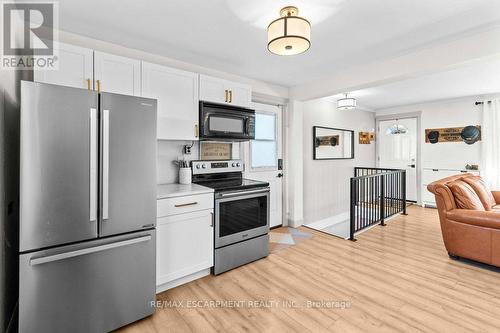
[182, 280]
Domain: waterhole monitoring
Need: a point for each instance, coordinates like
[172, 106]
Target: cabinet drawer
[427, 196]
[431, 175]
[185, 204]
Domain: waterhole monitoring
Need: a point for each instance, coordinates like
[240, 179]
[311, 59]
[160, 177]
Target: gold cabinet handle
[88, 84]
[196, 132]
[98, 85]
[225, 95]
[230, 96]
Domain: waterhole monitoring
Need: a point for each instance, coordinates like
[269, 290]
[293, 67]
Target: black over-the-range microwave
[222, 122]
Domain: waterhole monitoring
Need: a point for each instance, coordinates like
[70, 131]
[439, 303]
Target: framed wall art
[332, 143]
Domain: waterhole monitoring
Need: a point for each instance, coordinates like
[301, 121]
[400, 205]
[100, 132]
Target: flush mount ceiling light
[290, 34]
[346, 103]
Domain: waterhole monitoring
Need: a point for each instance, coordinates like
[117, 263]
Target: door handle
[77, 253]
[88, 84]
[242, 193]
[230, 96]
[93, 165]
[411, 165]
[279, 175]
[105, 164]
[225, 96]
[211, 219]
[98, 85]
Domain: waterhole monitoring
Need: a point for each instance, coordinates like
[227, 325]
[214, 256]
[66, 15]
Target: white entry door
[397, 149]
[262, 154]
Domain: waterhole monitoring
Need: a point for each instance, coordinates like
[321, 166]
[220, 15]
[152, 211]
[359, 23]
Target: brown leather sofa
[470, 218]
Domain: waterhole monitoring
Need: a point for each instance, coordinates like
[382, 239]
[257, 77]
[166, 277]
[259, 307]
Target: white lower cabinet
[184, 247]
[430, 175]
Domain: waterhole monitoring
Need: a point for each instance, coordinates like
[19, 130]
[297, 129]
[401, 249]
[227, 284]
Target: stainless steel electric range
[241, 214]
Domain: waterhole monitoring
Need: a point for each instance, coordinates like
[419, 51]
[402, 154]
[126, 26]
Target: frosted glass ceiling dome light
[290, 34]
[346, 103]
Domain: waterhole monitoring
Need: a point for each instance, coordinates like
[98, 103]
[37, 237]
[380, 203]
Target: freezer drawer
[96, 286]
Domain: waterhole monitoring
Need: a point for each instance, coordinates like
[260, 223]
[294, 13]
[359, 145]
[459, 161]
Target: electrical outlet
[187, 150]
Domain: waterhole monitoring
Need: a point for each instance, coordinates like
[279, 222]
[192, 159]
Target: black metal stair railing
[376, 194]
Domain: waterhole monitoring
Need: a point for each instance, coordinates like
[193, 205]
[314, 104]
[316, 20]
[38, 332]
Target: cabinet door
[75, 68]
[239, 94]
[117, 74]
[177, 95]
[184, 245]
[213, 89]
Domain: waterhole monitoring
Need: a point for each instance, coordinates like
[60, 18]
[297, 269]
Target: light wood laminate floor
[396, 278]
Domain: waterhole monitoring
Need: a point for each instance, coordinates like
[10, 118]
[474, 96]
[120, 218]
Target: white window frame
[266, 168]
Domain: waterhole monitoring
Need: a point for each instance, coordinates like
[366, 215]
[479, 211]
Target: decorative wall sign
[365, 138]
[215, 151]
[332, 143]
[467, 134]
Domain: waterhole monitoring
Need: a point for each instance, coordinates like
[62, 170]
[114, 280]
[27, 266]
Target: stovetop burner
[233, 184]
[223, 176]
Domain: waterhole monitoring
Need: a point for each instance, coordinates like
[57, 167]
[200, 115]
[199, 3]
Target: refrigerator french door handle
[105, 164]
[93, 165]
[77, 253]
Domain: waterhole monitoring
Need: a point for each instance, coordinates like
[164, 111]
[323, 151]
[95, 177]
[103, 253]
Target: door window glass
[264, 152]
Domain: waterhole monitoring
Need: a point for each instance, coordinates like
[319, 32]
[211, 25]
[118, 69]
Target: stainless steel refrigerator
[87, 209]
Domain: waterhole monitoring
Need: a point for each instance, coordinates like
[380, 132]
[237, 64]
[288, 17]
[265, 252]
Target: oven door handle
[242, 193]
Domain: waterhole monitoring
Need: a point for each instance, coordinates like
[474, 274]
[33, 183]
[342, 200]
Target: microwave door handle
[247, 126]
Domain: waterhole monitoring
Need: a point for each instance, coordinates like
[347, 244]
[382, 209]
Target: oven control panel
[202, 167]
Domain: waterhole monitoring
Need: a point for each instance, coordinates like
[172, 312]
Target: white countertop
[178, 190]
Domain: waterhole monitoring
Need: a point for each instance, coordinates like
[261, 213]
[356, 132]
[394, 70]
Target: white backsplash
[168, 151]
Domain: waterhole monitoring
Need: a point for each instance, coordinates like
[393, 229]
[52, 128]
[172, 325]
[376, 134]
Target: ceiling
[230, 35]
[476, 79]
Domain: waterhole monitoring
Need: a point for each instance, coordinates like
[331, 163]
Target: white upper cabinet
[223, 91]
[116, 74]
[240, 94]
[75, 68]
[177, 95]
[213, 89]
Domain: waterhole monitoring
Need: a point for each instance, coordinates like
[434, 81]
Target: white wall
[294, 186]
[326, 183]
[447, 113]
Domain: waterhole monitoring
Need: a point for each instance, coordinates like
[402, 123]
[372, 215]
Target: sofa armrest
[496, 195]
[487, 219]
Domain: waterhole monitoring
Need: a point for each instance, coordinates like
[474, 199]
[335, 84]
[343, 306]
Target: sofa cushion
[465, 196]
[482, 191]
